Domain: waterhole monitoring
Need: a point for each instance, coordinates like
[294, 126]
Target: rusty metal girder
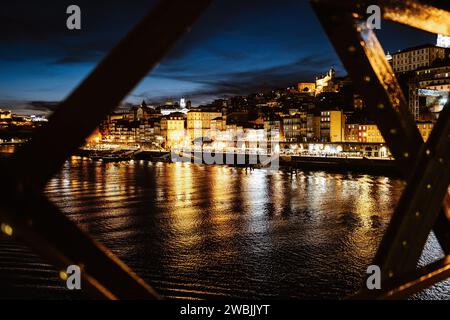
[418, 15]
[419, 280]
[421, 164]
[364, 59]
[45, 229]
[419, 205]
[32, 217]
[410, 283]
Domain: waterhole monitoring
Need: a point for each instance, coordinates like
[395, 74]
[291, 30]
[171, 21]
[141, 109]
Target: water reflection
[215, 231]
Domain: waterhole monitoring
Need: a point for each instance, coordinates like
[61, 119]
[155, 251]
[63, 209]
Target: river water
[199, 231]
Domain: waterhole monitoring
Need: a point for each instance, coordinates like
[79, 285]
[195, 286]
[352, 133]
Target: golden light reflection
[315, 184]
[222, 215]
[179, 193]
[278, 192]
[364, 202]
[254, 191]
[222, 185]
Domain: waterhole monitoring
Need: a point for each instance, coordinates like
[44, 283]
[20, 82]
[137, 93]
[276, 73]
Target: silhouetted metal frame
[37, 221]
[425, 166]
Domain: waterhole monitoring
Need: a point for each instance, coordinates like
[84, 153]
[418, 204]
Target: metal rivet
[404, 243]
[19, 187]
[441, 160]
[428, 152]
[393, 131]
[63, 275]
[391, 274]
[367, 79]
[6, 229]
[351, 49]
[406, 154]
[380, 106]
[428, 186]
[417, 214]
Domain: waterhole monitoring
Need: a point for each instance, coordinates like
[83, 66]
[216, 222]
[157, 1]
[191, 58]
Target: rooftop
[423, 46]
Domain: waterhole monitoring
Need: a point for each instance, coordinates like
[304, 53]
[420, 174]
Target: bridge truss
[26, 213]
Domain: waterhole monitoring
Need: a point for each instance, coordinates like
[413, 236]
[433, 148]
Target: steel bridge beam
[48, 231]
[24, 208]
[422, 164]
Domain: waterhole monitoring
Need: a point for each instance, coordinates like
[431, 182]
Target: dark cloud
[29, 107]
[79, 56]
[29, 20]
[246, 82]
[44, 106]
[42, 24]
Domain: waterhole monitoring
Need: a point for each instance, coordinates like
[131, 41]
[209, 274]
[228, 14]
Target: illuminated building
[118, 116]
[313, 126]
[352, 132]
[332, 126]
[254, 136]
[142, 112]
[94, 138]
[326, 83]
[294, 127]
[413, 58]
[443, 41]
[173, 128]
[169, 109]
[199, 122]
[363, 132]
[123, 131]
[218, 124]
[273, 129]
[35, 118]
[389, 58]
[149, 131]
[5, 114]
[428, 91]
[182, 103]
[307, 87]
[369, 133]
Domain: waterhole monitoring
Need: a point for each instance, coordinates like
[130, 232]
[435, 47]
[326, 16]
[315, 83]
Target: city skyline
[230, 51]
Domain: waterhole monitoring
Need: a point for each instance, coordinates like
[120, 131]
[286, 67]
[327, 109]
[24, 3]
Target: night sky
[237, 47]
